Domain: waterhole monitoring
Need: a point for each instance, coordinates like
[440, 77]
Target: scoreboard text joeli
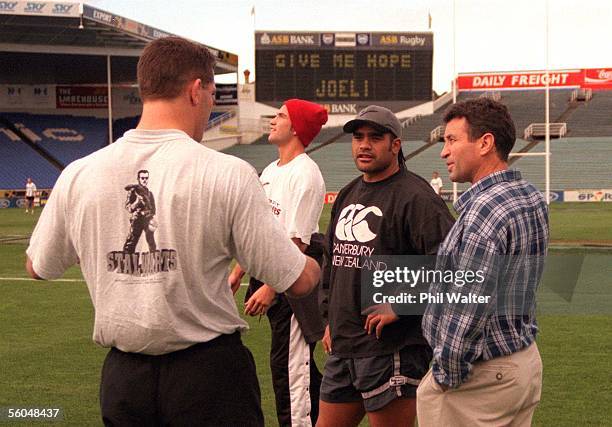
[343, 66]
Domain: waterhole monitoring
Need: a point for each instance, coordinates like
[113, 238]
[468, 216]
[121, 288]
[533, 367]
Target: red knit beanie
[306, 119]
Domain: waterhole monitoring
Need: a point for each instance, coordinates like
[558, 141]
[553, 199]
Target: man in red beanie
[295, 188]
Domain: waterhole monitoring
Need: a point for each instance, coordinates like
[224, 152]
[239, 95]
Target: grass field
[47, 357]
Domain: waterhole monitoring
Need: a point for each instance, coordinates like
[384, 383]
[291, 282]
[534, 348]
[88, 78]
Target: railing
[411, 120]
[264, 123]
[491, 94]
[538, 130]
[444, 99]
[220, 119]
[437, 134]
[583, 95]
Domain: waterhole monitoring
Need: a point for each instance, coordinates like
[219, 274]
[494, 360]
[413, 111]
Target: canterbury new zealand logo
[352, 225]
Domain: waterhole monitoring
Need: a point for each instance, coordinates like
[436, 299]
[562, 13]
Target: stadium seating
[336, 164]
[258, 155]
[422, 127]
[593, 118]
[575, 162]
[527, 106]
[429, 161]
[262, 140]
[66, 138]
[323, 136]
[19, 162]
[121, 126]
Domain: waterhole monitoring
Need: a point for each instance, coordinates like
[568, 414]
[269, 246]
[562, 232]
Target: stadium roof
[51, 27]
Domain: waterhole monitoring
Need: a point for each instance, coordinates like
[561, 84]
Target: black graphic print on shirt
[140, 205]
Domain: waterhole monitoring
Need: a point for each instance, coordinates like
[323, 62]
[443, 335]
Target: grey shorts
[377, 380]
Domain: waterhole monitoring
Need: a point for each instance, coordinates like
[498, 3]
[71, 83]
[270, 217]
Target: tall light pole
[454, 78]
[547, 114]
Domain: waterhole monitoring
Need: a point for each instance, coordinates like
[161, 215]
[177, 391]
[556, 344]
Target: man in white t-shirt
[295, 189]
[436, 183]
[30, 193]
[167, 311]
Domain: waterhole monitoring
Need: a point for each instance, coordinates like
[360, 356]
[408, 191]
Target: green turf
[568, 222]
[581, 221]
[15, 223]
[47, 357]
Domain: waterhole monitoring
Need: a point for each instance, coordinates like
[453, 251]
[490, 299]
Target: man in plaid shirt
[486, 369]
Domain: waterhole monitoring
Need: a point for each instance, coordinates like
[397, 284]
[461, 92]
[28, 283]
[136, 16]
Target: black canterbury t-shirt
[400, 215]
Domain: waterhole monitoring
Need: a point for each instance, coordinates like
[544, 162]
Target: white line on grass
[27, 279]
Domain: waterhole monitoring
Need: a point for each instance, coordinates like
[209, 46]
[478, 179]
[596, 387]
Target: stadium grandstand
[60, 64]
[581, 159]
[68, 87]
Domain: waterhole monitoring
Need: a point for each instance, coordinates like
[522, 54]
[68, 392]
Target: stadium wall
[76, 100]
[251, 112]
[588, 196]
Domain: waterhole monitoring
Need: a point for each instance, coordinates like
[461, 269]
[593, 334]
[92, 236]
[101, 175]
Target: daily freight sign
[600, 78]
[519, 80]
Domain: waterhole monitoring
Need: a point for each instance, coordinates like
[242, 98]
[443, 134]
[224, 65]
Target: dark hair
[485, 115]
[141, 171]
[169, 63]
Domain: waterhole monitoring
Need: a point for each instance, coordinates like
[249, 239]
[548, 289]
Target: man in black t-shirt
[376, 360]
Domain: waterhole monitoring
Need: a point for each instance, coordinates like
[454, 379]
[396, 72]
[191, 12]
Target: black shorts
[208, 384]
[30, 198]
[376, 380]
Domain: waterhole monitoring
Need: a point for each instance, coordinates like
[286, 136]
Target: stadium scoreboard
[358, 68]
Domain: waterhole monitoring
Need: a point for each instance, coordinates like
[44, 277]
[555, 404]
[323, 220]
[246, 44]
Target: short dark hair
[141, 171]
[169, 63]
[486, 115]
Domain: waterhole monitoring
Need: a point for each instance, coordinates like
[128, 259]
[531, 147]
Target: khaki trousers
[500, 392]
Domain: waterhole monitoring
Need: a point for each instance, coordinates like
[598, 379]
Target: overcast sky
[491, 35]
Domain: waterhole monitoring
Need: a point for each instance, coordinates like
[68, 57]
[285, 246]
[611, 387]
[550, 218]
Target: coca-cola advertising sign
[598, 78]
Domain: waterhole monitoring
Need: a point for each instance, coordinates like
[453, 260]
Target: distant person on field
[436, 183]
[168, 314]
[29, 194]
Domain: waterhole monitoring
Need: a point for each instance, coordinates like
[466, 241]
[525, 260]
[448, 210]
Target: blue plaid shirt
[500, 216]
